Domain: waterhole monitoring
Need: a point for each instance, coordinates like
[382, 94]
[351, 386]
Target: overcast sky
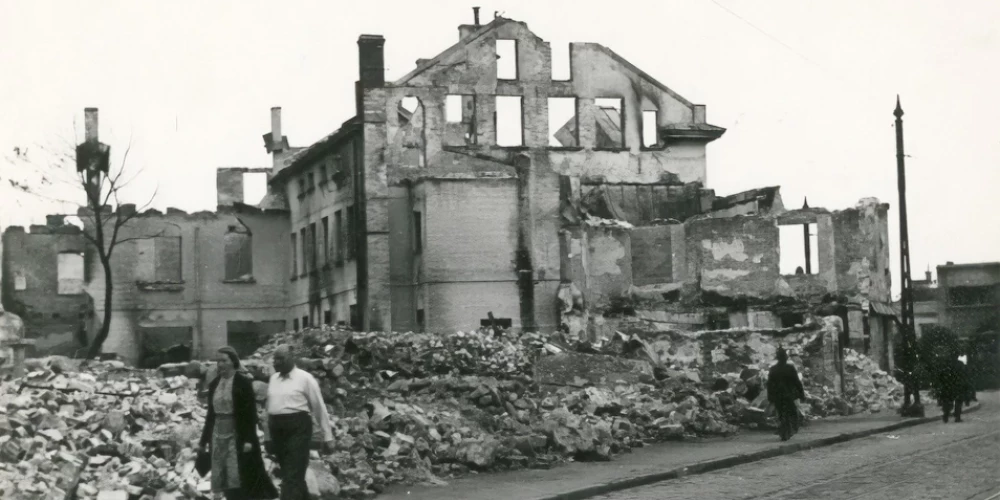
[805, 89]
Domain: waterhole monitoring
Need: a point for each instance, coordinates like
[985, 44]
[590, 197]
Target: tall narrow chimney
[90, 124]
[277, 140]
[475, 15]
[371, 62]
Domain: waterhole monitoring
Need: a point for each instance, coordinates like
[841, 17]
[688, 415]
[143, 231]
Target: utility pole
[911, 386]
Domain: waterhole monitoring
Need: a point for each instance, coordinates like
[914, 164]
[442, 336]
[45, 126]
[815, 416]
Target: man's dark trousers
[948, 404]
[290, 436]
[787, 417]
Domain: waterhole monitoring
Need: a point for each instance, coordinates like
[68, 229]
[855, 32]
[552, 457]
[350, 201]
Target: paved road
[929, 461]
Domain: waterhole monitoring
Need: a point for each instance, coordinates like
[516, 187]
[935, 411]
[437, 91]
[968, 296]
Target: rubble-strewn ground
[409, 407]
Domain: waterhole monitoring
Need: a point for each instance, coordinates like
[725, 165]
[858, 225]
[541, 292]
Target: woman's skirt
[225, 466]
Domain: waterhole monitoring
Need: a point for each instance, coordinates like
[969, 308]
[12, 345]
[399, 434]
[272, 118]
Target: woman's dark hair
[235, 358]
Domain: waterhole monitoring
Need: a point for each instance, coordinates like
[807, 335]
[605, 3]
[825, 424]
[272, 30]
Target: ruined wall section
[198, 299]
[31, 285]
[733, 257]
[862, 253]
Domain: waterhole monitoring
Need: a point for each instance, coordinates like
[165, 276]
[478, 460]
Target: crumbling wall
[201, 299]
[31, 285]
[470, 253]
[734, 257]
[861, 248]
[609, 265]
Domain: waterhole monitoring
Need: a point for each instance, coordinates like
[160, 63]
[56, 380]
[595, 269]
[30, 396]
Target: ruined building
[477, 186]
[458, 190]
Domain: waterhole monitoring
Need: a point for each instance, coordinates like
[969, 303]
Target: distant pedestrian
[952, 386]
[783, 388]
[230, 434]
[295, 409]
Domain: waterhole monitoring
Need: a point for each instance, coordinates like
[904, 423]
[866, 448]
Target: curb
[735, 460]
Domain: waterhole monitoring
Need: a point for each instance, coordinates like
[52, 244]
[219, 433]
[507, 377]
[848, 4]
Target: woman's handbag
[203, 463]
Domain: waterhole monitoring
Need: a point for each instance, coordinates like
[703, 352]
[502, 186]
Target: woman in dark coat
[230, 434]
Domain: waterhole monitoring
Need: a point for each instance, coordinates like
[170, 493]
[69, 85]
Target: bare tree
[104, 221]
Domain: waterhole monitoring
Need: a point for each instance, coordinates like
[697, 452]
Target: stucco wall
[733, 257]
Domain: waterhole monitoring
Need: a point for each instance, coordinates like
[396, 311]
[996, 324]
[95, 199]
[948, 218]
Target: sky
[805, 90]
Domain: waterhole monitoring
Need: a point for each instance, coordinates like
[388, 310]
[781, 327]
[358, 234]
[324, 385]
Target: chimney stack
[90, 124]
[371, 62]
[475, 15]
[277, 140]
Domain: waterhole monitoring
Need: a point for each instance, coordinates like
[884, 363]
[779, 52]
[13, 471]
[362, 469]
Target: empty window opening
[970, 295]
[328, 317]
[248, 336]
[418, 233]
[239, 253]
[508, 117]
[304, 243]
[254, 187]
[411, 124]
[420, 318]
[302, 187]
[798, 251]
[355, 316]
[609, 120]
[295, 324]
[312, 247]
[507, 59]
[649, 134]
[69, 269]
[305, 322]
[453, 108]
[338, 237]
[295, 256]
[562, 69]
[563, 122]
[326, 239]
[159, 259]
[310, 181]
[790, 319]
[20, 282]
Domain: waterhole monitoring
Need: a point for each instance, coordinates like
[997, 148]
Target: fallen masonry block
[578, 369]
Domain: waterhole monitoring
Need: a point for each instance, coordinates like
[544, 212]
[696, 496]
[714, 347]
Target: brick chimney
[371, 61]
[275, 142]
[465, 30]
[90, 124]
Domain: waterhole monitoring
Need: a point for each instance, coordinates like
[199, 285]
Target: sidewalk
[657, 462]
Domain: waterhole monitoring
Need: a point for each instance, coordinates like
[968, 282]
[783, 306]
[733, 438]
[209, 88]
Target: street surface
[930, 461]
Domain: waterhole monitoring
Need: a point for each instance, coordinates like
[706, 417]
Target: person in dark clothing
[783, 388]
[230, 434]
[952, 387]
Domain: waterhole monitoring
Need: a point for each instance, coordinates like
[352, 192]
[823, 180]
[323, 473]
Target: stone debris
[406, 407]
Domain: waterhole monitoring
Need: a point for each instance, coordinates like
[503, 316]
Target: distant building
[971, 297]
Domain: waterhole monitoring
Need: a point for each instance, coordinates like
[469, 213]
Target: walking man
[953, 387]
[783, 388]
[295, 410]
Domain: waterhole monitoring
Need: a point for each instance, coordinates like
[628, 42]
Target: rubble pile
[866, 387]
[107, 428]
[409, 407]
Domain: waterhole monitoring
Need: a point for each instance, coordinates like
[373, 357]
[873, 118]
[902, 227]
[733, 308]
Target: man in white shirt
[295, 408]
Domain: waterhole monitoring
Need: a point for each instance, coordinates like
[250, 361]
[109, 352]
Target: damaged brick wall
[52, 309]
[202, 299]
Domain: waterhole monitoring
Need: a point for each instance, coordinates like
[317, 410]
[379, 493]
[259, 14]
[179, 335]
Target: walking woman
[230, 434]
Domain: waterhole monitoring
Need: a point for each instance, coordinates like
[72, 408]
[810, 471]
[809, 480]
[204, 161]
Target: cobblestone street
[930, 461]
